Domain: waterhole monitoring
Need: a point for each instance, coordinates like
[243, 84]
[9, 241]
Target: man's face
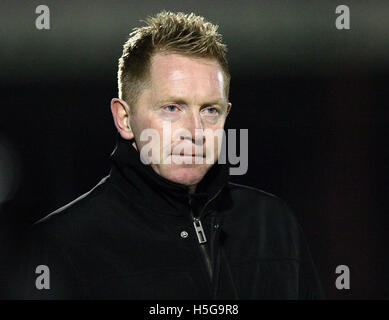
[185, 93]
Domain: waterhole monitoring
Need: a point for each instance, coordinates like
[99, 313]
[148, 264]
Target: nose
[195, 127]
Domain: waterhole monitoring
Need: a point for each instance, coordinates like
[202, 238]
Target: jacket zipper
[201, 235]
[202, 240]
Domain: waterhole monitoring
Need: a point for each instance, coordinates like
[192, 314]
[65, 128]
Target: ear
[229, 107]
[121, 116]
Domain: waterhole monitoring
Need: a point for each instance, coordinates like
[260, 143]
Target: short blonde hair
[186, 34]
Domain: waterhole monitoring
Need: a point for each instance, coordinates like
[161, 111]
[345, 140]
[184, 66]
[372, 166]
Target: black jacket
[136, 235]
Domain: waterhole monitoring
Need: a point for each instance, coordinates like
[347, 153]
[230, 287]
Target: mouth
[182, 154]
[187, 151]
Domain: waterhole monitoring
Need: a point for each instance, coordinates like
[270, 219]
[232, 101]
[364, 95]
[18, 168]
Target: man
[167, 224]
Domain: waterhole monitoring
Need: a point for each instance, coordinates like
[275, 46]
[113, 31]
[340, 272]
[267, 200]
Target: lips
[182, 154]
[188, 151]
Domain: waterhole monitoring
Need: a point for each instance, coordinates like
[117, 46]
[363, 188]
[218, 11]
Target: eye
[171, 108]
[211, 111]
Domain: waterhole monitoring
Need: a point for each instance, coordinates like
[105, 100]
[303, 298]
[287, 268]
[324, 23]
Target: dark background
[312, 97]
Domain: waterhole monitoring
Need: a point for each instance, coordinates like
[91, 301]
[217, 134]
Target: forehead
[188, 76]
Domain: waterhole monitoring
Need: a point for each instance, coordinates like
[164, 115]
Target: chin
[185, 174]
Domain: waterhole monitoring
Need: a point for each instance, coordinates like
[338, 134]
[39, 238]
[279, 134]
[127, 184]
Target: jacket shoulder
[66, 217]
[263, 206]
[253, 195]
[251, 191]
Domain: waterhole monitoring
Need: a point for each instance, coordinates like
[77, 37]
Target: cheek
[157, 130]
[141, 123]
[217, 136]
[148, 124]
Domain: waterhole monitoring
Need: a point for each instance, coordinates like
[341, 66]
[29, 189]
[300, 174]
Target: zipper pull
[199, 230]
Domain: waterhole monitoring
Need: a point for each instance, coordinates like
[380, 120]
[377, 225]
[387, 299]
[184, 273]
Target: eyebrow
[179, 100]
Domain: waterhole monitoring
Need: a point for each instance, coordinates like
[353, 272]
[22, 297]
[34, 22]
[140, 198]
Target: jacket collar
[140, 183]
